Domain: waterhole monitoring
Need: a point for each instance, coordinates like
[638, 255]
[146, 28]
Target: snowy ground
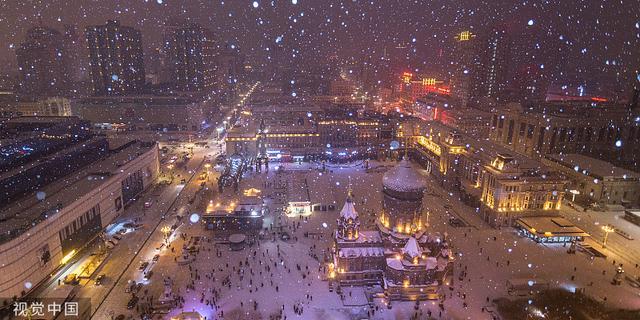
[279, 275]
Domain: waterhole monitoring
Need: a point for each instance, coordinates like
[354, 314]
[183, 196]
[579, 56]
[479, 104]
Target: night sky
[602, 38]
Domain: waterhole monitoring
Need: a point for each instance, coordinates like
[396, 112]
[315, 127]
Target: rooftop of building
[369, 237]
[550, 227]
[591, 166]
[139, 99]
[19, 216]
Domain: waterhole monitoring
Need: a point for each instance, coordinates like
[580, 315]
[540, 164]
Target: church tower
[348, 222]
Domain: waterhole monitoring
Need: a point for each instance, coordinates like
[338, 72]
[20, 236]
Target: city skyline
[597, 46]
[311, 159]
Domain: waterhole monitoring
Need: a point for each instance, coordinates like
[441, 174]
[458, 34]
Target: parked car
[148, 204]
[117, 237]
[71, 278]
[143, 265]
[99, 279]
[156, 258]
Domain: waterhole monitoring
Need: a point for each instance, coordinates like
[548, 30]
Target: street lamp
[219, 130]
[170, 167]
[607, 229]
[207, 166]
[166, 230]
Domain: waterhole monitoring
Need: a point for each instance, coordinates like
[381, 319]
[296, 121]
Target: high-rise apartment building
[191, 57]
[116, 59]
[463, 60]
[490, 72]
[75, 55]
[40, 63]
[514, 64]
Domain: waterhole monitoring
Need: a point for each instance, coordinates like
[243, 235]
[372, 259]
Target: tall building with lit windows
[490, 72]
[514, 63]
[463, 60]
[115, 59]
[191, 57]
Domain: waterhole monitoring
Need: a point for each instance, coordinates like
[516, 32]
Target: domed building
[403, 214]
[416, 271]
[408, 261]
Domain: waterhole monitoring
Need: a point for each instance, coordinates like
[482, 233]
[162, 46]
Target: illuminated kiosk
[402, 215]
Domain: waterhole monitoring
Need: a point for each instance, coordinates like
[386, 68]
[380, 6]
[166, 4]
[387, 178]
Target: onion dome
[403, 182]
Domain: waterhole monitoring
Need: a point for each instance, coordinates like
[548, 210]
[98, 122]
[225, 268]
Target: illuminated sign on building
[465, 35]
[406, 77]
[430, 145]
[429, 81]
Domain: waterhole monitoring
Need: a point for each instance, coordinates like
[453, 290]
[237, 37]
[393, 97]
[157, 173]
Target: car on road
[71, 278]
[134, 226]
[148, 275]
[143, 265]
[132, 302]
[156, 258]
[99, 279]
[183, 181]
[117, 237]
[148, 204]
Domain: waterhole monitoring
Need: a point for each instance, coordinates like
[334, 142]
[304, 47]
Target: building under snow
[403, 255]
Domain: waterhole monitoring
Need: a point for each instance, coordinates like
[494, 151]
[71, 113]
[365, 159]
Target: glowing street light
[166, 230]
[207, 166]
[219, 131]
[607, 229]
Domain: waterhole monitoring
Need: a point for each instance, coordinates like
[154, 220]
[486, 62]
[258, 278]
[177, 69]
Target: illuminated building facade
[244, 216]
[510, 191]
[39, 235]
[409, 261]
[504, 186]
[287, 131]
[115, 59]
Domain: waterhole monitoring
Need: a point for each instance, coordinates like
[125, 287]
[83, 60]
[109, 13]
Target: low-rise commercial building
[42, 231]
[289, 131]
[605, 131]
[503, 186]
[152, 113]
[596, 181]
